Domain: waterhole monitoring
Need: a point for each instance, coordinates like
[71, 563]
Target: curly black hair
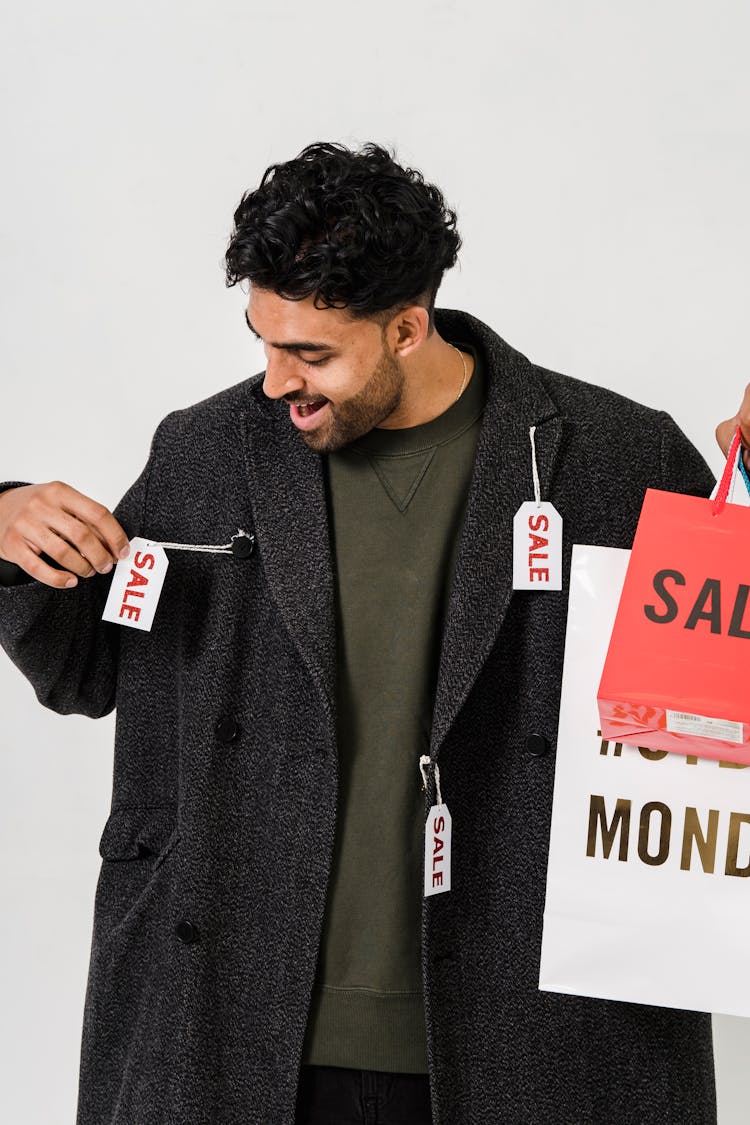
[354, 228]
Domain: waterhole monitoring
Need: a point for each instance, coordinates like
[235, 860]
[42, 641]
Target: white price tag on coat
[136, 585]
[437, 851]
[537, 547]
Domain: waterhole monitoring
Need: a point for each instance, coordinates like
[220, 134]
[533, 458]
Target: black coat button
[227, 729]
[186, 932]
[242, 546]
[537, 745]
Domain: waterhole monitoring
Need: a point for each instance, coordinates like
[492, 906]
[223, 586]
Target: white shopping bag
[648, 897]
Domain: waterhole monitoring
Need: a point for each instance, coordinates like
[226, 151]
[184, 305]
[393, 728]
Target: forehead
[278, 319]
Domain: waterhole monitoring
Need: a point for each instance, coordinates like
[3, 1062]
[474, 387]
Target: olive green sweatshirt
[396, 503]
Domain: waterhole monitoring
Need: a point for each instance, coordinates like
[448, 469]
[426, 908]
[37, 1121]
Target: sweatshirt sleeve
[13, 575]
[56, 638]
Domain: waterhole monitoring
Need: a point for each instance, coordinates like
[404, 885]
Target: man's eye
[315, 362]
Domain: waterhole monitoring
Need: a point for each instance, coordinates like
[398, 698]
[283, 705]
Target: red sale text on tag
[136, 585]
[537, 547]
[437, 851]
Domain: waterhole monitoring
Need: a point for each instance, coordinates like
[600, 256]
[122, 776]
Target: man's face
[323, 356]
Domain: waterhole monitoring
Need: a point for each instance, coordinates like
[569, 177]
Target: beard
[356, 416]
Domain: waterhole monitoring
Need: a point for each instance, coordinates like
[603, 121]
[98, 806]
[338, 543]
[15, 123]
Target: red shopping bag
[677, 672]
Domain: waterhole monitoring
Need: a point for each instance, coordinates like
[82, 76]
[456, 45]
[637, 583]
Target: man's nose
[281, 375]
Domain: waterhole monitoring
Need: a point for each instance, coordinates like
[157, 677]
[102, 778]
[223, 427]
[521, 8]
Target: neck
[434, 377]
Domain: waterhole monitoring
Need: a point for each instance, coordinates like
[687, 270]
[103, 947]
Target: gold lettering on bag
[606, 745]
[736, 819]
[693, 834]
[695, 837]
[700, 830]
[620, 821]
[652, 755]
[644, 829]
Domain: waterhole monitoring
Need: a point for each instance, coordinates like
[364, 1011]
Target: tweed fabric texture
[217, 850]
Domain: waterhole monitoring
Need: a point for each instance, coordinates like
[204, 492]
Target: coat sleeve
[56, 638]
[683, 468]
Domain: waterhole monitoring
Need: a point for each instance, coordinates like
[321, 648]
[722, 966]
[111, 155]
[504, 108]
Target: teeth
[303, 407]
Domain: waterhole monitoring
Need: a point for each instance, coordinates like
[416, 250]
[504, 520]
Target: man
[262, 949]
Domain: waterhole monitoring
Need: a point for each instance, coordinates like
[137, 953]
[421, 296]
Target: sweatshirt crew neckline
[415, 439]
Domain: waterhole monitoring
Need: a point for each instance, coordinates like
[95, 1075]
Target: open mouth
[304, 414]
[306, 408]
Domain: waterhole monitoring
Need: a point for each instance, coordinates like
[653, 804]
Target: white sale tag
[537, 547]
[437, 851]
[136, 585]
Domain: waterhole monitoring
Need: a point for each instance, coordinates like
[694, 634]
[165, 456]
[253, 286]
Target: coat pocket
[136, 845]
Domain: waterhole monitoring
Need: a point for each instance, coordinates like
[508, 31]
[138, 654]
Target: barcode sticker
[681, 722]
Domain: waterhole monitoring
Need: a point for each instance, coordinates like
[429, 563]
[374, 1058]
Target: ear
[408, 331]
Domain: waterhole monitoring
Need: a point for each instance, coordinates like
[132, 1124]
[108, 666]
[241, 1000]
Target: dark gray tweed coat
[216, 854]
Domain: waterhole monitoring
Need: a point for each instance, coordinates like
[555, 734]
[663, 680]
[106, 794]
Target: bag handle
[726, 477]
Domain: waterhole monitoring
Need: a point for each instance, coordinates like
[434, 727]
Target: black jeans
[340, 1095]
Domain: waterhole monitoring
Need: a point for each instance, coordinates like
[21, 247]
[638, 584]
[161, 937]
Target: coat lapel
[482, 583]
[288, 498]
[292, 537]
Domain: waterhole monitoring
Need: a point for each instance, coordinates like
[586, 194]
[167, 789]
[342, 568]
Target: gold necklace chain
[463, 361]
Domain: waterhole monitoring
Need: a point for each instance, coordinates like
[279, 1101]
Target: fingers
[70, 528]
[743, 417]
[27, 558]
[97, 516]
[80, 556]
[73, 529]
[76, 544]
[725, 430]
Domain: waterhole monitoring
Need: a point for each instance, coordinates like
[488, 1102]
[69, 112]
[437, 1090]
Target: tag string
[220, 549]
[727, 476]
[425, 761]
[534, 469]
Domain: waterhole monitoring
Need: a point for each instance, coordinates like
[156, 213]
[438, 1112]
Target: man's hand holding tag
[75, 531]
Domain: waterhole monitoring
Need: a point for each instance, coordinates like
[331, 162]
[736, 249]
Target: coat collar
[501, 480]
[288, 498]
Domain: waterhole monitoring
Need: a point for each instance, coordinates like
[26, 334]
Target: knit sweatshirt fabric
[396, 500]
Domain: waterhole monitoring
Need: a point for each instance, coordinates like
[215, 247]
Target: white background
[598, 157]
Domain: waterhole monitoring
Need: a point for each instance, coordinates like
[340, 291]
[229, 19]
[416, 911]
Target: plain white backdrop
[598, 157]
